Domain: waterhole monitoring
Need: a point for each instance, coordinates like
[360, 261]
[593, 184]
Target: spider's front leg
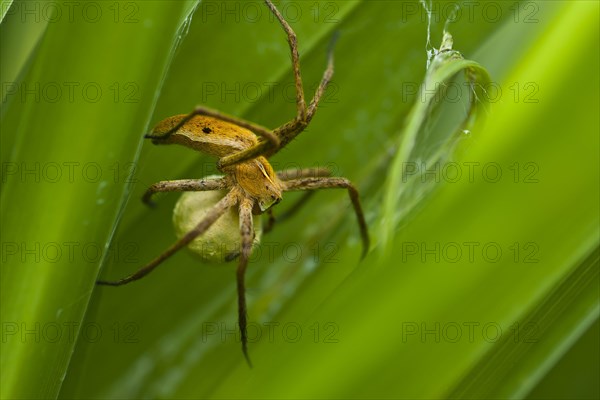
[288, 131]
[183, 185]
[271, 140]
[247, 236]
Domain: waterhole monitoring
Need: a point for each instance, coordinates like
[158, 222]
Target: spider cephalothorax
[249, 180]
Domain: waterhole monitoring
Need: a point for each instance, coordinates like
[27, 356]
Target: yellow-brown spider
[249, 179]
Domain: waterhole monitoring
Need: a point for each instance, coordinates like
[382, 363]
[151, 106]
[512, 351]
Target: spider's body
[250, 182]
[215, 137]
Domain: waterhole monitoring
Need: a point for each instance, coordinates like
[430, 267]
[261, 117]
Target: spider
[250, 181]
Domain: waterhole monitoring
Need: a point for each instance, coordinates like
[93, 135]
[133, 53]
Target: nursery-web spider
[249, 179]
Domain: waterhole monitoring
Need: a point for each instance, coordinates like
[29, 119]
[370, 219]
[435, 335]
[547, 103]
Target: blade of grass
[574, 376]
[377, 355]
[170, 351]
[516, 363]
[443, 67]
[88, 99]
[4, 6]
[15, 56]
[175, 310]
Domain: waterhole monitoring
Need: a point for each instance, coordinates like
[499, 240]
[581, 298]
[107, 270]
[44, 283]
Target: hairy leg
[288, 131]
[247, 236]
[271, 220]
[335, 183]
[183, 185]
[218, 209]
[288, 174]
[293, 42]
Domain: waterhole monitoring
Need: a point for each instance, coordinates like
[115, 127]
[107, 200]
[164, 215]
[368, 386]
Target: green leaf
[329, 325]
[4, 7]
[72, 123]
[443, 65]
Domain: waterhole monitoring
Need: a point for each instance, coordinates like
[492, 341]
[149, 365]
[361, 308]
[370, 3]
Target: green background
[421, 317]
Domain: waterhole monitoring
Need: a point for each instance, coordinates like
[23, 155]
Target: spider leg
[332, 183]
[304, 114]
[214, 213]
[288, 174]
[268, 226]
[287, 214]
[327, 74]
[247, 236]
[183, 185]
[293, 42]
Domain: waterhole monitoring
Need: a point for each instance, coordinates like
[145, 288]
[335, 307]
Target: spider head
[260, 182]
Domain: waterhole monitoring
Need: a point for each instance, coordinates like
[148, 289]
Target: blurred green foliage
[490, 285]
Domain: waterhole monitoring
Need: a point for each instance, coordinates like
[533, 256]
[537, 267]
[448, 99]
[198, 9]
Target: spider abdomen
[205, 134]
[220, 242]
